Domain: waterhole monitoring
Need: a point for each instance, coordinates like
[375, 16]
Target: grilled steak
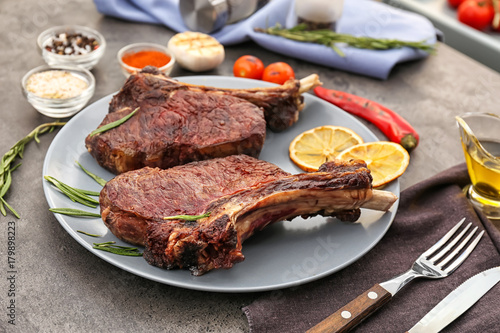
[179, 123]
[131, 199]
[242, 195]
[281, 104]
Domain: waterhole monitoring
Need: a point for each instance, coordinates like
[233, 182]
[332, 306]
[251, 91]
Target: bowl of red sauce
[134, 57]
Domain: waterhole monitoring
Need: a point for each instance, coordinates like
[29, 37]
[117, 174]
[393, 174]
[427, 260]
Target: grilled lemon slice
[386, 160]
[314, 147]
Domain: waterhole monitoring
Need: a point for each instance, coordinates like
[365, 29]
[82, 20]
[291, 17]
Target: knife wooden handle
[353, 313]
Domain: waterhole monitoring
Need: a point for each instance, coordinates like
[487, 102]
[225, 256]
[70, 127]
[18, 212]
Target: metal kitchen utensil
[457, 302]
[211, 15]
[429, 265]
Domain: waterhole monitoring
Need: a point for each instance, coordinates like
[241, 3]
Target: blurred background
[456, 20]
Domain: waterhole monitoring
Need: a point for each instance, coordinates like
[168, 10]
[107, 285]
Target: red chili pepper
[389, 122]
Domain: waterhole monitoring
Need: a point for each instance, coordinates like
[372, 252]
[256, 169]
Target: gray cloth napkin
[426, 212]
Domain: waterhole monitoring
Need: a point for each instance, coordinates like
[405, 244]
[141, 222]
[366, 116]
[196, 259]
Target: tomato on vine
[249, 67]
[278, 72]
[476, 13]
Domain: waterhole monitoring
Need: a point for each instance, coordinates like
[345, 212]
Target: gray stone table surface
[61, 287]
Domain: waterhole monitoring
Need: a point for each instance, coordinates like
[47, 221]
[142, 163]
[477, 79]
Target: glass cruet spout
[480, 137]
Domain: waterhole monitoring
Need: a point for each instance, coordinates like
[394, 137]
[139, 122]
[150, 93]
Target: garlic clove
[196, 51]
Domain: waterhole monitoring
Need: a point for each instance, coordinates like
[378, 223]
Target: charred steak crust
[281, 104]
[242, 194]
[197, 249]
[178, 123]
[131, 199]
[179, 127]
[217, 240]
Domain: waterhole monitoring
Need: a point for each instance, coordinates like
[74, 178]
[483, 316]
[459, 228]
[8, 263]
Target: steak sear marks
[242, 195]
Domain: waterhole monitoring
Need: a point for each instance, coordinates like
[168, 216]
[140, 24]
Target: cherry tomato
[249, 67]
[476, 13]
[278, 72]
[455, 3]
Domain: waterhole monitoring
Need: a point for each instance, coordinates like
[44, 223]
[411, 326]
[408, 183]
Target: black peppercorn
[71, 44]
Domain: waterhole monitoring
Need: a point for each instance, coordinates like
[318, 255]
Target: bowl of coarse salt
[58, 91]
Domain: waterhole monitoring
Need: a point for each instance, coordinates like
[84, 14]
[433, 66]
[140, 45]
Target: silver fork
[430, 264]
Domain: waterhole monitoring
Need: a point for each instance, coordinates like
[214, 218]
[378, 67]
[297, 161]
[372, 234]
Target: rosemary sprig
[117, 249]
[88, 234]
[75, 194]
[187, 217]
[330, 38]
[89, 192]
[95, 177]
[113, 124]
[17, 151]
[74, 212]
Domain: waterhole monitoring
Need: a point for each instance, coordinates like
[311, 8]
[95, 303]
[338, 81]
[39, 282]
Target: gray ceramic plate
[282, 255]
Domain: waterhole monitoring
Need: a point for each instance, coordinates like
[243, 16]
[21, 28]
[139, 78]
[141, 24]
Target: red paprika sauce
[145, 58]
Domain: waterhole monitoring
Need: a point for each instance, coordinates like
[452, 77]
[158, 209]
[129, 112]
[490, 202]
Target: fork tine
[458, 248]
[464, 255]
[451, 244]
[443, 240]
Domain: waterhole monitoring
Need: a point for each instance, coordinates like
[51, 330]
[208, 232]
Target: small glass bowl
[60, 107]
[87, 61]
[137, 47]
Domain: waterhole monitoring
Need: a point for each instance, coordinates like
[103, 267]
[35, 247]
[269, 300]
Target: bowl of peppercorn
[134, 57]
[71, 45]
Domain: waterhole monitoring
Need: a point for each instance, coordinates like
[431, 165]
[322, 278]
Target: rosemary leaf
[20, 151]
[88, 192]
[330, 38]
[73, 212]
[73, 197]
[7, 160]
[187, 217]
[69, 195]
[117, 249]
[15, 167]
[75, 194]
[336, 49]
[12, 210]
[126, 248]
[2, 208]
[17, 151]
[86, 233]
[113, 124]
[6, 183]
[98, 179]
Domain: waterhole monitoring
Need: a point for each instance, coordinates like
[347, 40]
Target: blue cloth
[360, 18]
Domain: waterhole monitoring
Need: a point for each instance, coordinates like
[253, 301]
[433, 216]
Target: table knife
[457, 302]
